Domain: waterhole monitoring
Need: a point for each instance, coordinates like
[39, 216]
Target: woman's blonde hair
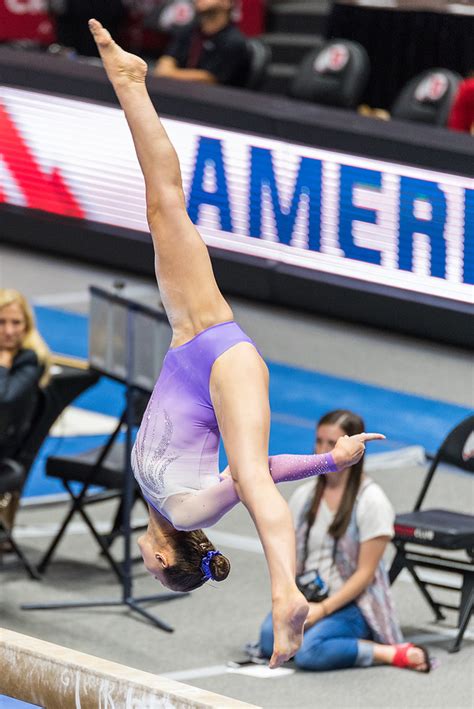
[32, 339]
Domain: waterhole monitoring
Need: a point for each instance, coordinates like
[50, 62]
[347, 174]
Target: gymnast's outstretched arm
[206, 507]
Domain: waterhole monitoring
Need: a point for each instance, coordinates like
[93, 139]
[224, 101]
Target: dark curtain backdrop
[401, 44]
[71, 21]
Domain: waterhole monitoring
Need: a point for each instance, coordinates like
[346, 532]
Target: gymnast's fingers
[364, 437]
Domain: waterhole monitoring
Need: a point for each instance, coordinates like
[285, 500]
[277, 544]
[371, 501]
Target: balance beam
[55, 677]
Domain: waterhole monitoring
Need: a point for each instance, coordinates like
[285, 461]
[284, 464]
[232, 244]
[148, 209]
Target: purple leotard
[176, 454]
[177, 446]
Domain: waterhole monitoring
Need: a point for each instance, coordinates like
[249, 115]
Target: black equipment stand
[129, 310]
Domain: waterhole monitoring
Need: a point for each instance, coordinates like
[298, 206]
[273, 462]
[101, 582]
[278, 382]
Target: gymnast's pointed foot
[289, 617]
[121, 67]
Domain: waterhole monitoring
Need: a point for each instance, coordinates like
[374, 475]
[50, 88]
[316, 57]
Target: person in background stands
[461, 117]
[343, 523]
[24, 367]
[210, 50]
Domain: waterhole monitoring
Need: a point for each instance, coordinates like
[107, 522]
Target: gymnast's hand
[350, 449]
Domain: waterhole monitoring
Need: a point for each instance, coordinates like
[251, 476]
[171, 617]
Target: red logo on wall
[432, 88]
[176, 14]
[333, 58]
[47, 192]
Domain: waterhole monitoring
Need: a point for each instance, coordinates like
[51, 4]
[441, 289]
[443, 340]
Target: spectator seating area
[337, 74]
[420, 89]
[299, 54]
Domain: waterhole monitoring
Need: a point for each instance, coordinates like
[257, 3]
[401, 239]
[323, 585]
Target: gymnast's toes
[102, 36]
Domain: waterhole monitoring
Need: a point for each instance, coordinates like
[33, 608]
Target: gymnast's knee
[250, 475]
[312, 658]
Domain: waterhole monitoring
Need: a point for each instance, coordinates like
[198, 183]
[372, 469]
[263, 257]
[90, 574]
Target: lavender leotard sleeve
[285, 468]
[205, 508]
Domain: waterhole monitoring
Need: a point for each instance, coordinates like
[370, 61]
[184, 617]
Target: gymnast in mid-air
[213, 383]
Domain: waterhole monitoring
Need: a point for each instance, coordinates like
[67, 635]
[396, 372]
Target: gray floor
[213, 624]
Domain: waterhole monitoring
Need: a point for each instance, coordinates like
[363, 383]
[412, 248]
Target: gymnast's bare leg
[193, 302]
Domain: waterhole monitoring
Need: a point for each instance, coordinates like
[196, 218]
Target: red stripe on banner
[41, 191]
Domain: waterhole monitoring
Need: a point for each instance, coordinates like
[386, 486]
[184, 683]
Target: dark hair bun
[219, 567]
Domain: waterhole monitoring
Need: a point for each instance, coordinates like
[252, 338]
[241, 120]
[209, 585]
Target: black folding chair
[260, 57]
[12, 475]
[334, 74]
[444, 530]
[428, 97]
[102, 467]
[65, 385]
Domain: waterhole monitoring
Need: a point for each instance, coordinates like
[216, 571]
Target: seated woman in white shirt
[343, 524]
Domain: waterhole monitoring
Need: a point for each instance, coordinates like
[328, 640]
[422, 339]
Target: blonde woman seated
[24, 365]
[343, 523]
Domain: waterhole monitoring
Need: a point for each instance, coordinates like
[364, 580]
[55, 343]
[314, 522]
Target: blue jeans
[331, 644]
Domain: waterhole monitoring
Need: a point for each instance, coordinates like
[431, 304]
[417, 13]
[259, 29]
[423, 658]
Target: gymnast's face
[156, 557]
[326, 437]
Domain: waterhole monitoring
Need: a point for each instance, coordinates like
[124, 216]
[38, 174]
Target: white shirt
[374, 516]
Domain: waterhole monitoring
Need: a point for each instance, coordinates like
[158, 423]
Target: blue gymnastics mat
[9, 703]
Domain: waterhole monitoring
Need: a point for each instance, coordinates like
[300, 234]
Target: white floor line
[226, 539]
[210, 671]
[82, 296]
[43, 500]
[394, 460]
[81, 422]
[434, 576]
[292, 420]
[236, 541]
[431, 635]
[74, 529]
[233, 541]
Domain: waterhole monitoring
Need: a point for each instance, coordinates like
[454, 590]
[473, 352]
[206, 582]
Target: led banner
[375, 221]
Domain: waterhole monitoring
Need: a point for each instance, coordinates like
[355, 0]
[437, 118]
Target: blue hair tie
[205, 562]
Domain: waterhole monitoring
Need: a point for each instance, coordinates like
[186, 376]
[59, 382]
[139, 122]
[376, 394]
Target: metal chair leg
[466, 609]
[46, 558]
[101, 543]
[397, 566]
[434, 606]
[31, 570]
